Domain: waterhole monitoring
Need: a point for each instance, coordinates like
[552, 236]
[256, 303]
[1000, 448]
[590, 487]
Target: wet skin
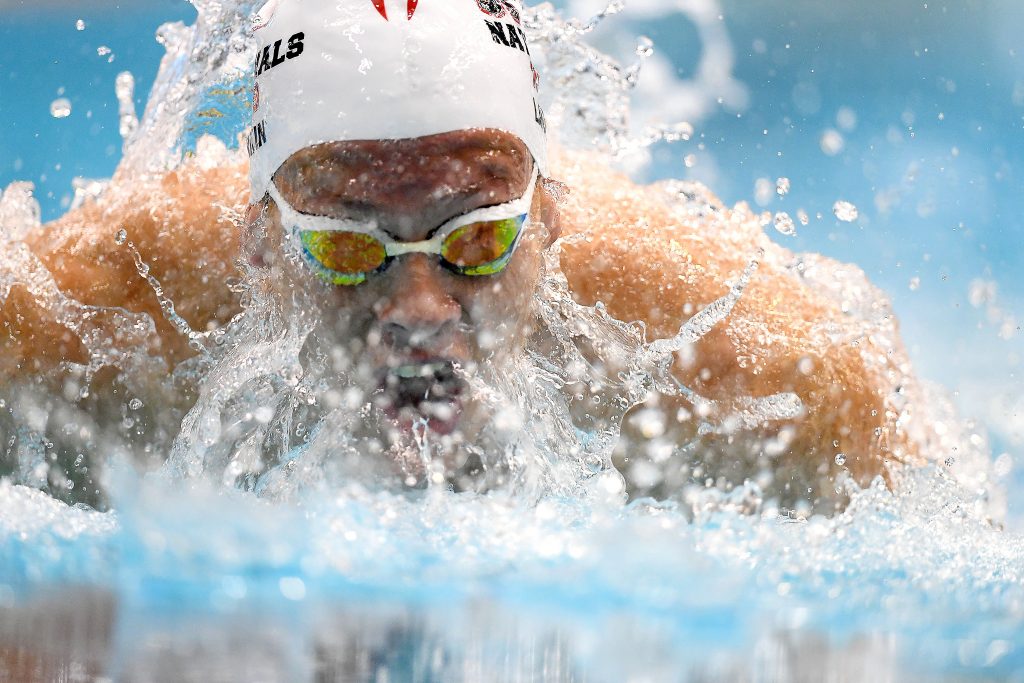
[416, 312]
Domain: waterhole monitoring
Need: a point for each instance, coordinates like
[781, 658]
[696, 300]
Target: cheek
[340, 314]
[349, 309]
[502, 308]
[345, 327]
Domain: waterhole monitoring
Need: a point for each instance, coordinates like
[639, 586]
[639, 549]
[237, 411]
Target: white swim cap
[332, 70]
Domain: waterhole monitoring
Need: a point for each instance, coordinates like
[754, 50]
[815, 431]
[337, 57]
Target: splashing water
[258, 524]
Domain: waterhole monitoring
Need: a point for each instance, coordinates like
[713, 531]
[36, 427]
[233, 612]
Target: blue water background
[938, 93]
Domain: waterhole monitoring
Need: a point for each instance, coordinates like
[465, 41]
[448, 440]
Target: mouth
[430, 391]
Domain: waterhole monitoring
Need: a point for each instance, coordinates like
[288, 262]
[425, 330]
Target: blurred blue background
[913, 111]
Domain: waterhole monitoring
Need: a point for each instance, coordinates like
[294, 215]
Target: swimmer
[417, 200]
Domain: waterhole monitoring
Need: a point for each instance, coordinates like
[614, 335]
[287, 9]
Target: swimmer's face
[405, 332]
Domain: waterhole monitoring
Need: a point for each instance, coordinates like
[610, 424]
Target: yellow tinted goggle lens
[343, 257]
[346, 258]
[482, 248]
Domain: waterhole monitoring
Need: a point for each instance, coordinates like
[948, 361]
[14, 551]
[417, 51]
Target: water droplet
[846, 118]
[644, 46]
[763, 191]
[614, 7]
[292, 587]
[915, 284]
[135, 404]
[782, 186]
[678, 131]
[840, 459]
[1003, 465]
[845, 211]
[982, 292]
[80, 24]
[803, 217]
[124, 87]
[60, 108]
[690, 160]
[103, 50]
[784, 224]
[832, 142]
[121, 236]
[594, 463]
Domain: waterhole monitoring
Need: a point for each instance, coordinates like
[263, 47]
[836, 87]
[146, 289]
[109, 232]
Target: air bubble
[121, 237]
[80, 25]
[135, 404]
[782, 186]
[840, 459]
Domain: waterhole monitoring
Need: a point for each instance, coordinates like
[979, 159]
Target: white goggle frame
[303, 222]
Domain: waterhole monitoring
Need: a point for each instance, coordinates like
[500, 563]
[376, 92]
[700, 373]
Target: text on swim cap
[256, 138]
[267, 60]
[514, 38]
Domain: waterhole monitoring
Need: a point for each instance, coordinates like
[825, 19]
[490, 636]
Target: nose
[418, 304]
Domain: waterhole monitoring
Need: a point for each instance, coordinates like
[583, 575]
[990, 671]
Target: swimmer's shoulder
[182, 226]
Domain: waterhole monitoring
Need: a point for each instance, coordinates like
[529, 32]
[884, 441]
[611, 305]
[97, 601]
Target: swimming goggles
[345, 252]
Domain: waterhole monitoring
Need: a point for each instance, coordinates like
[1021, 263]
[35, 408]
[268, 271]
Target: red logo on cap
[498, 8]
[493, 8]
[382, 10]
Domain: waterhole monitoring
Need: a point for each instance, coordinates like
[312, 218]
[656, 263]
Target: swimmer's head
[339, 70]
[388, 137]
